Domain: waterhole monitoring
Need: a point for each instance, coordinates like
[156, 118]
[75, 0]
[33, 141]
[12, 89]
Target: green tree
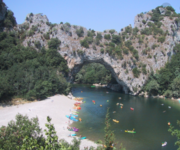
[54, 43]
[109, 134]
[12, 136]
[175, 132]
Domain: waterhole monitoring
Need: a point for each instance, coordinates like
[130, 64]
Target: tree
[175, 132]
[12, 136]
[54, 43]
[80, 32]
[109, 134]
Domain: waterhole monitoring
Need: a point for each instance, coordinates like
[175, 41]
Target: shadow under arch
[78, 67]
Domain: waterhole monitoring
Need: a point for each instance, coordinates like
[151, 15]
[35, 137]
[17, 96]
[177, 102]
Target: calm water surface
[148, 119]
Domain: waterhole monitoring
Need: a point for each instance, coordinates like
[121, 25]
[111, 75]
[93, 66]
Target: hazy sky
[95, 14]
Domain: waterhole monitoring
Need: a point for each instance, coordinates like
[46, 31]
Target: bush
[116, 39]
[146, 31]
[46, 36]
[99, 36]
[128, 29]
[125, 51]
[107, 36]
[135, 31]
[37, 44]
[80, 52]
[102, 50]
[12, 136]
[84, 43]
[144, 22]
[89, 39]
[54, 43]
[161, 39]
[80, 32]
[136, 72]
[111, 31]
[154, 46]
[10, 20]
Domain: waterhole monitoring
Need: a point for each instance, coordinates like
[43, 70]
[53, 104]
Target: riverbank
[57, 107]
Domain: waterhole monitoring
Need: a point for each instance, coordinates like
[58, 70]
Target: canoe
[131, 108]
[128, 131]
[72, 134]
[73, 115]
[83, 138]
[71, 118]
[115, 120]
[164, 143]
[75, 129]
[77, 104]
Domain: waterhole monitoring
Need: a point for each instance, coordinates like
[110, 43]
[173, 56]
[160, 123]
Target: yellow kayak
[115, 120]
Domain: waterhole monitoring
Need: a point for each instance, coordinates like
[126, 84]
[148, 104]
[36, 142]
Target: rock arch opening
[120, 85]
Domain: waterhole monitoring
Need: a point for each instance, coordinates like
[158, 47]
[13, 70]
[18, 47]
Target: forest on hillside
[166, 81]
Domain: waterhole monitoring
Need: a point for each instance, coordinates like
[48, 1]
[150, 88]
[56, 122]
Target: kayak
[72, 134]
[131, 108]
[72, 118]
[115, 120]
[164, 143]
[83, 138]
[128, 131]
[74, 115]
[75, 129]
[93, 101]
[93, 86]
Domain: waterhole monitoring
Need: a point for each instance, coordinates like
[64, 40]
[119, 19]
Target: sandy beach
[56, 107]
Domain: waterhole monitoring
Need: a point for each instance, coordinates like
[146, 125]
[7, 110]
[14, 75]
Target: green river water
[149, 118]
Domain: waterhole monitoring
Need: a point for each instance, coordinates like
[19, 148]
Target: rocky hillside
[130, 55]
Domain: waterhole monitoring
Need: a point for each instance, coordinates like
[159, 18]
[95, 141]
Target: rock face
[3, 10]
[77, 56]
[115, 87]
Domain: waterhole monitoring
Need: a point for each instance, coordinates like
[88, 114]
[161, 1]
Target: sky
[99, 15]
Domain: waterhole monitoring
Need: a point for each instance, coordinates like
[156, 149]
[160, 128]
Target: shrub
[170, 8]
[107, 36]
[135, 31]
[116, 39]
[161, 39]
[80, 52]
[94, 47]
[125, 51]
[136, 72]
[144, 21]
[89, 39]
[66, 27]
[80, 32]
[46, 36]
[128, 29]
[37, 44]
[128, 43]
[111, 31]
[91, 33]
[12, 136]
[111, 44]
[102, 50]
[146, 31]
[135, 54]
[154, 46]
[84, 43]
[10, 20]
[54, 43]
[99, 36]
[144, 69]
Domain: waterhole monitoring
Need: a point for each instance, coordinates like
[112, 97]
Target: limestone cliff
[146, 51]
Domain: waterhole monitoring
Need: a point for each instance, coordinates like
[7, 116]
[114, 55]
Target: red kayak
[131, 108]
[93, 101]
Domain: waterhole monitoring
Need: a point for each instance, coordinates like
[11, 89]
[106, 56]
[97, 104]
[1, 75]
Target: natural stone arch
[105, 60]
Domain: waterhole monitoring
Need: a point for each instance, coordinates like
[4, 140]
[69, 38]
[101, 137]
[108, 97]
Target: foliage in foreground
[25, 134]
[175, 132]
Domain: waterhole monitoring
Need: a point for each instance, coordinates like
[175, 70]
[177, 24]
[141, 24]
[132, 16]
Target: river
[149, 118]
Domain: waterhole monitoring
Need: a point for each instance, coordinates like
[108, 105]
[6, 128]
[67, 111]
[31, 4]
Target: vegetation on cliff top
[167, 80]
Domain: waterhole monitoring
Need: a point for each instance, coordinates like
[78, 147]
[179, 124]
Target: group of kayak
[73, 116]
